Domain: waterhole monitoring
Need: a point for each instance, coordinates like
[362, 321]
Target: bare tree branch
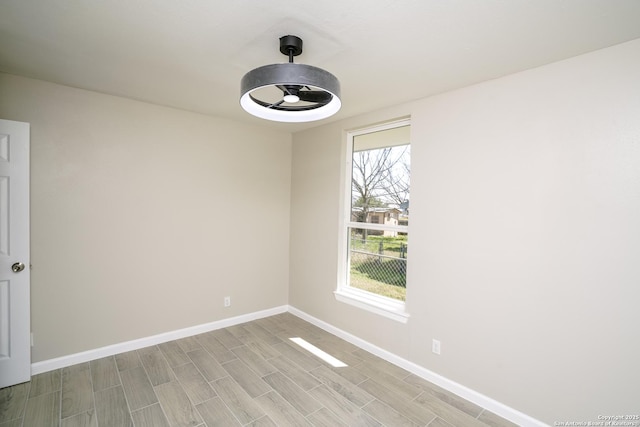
[380, 176]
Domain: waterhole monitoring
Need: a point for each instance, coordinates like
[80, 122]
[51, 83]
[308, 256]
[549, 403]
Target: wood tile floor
[245, 375]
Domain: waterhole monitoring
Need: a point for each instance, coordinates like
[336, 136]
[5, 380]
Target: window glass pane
[380, 177]
[377, 218]
[378, 262]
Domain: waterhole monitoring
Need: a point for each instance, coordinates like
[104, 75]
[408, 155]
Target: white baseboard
[110, 350]
[447, 384]
[479, 399]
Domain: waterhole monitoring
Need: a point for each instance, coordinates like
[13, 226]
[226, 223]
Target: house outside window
[375, 226]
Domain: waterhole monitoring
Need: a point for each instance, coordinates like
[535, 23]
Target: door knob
[17, 267]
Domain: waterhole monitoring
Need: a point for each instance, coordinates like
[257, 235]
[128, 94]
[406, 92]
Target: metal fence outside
[380, 261]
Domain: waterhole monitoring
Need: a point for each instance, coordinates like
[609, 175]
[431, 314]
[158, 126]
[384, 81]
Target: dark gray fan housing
[290, 92]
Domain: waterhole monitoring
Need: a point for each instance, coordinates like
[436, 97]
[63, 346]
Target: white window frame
[384, 306]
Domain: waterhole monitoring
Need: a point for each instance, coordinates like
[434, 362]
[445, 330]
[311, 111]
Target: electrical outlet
[435, 346]
[227, 301]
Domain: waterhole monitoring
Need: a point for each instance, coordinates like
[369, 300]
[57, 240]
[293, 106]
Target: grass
[361, 281]
[389, 271]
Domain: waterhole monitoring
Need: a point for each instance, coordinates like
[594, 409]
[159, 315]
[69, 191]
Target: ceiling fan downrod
[290, 46]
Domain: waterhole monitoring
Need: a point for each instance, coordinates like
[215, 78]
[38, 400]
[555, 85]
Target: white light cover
[320, 113]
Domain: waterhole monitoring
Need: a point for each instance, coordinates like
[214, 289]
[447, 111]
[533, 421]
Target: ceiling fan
[290, 92]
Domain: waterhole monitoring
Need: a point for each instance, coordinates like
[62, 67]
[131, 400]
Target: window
[375, 226]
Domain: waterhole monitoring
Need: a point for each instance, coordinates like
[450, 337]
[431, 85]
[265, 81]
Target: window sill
[386, 307]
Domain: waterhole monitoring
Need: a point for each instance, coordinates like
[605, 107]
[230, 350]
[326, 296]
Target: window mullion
[378, 227]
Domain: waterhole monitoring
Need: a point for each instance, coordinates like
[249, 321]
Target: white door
[15, 328]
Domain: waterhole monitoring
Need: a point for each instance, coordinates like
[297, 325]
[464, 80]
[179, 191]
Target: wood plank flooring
[245, 375]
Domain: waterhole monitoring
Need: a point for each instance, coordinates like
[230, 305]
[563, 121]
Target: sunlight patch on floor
[317, 352]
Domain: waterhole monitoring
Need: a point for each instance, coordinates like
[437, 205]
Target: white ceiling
[191, 54]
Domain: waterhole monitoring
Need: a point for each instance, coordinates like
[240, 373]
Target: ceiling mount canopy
[290, 92]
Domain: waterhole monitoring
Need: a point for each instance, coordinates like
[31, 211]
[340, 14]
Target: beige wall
[525, 236]
[143, 217]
